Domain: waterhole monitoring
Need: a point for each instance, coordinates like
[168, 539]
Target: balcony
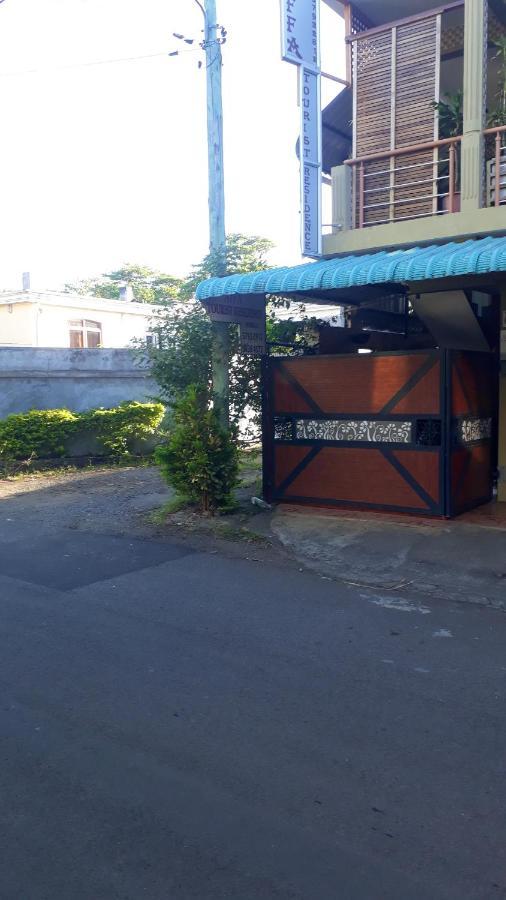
[409, 160]
[420, 180]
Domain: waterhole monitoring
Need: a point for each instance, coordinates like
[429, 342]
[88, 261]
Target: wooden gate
[392, 431]
[471, 430]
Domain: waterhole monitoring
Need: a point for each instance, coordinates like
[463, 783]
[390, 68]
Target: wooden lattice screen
[355, 23]
[395, 81]
[417, 48]
[372, 116]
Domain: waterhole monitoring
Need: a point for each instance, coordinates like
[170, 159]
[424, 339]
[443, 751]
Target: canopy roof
[385, 268]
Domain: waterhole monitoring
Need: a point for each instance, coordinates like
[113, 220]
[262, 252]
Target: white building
[58, 319]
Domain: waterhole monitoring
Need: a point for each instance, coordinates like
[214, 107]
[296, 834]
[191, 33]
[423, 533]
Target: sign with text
[249, 313]
[300, 32]
[310, 110]
[252, 337]
[300, 39]
[311, 227]
[310, 162]
[231, 309]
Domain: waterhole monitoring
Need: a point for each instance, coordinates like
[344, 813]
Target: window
[85, 334]
[153, 340]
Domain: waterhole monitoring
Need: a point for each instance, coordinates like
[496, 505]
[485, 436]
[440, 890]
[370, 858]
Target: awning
[385, 268]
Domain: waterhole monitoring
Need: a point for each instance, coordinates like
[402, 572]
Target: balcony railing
[421, 180]
[496, 166]
[407, 183]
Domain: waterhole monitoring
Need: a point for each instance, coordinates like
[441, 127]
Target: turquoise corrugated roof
[473, 257]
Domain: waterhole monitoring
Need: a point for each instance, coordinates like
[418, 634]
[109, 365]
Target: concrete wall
[47, 325]
[33, 378]
[17, 325]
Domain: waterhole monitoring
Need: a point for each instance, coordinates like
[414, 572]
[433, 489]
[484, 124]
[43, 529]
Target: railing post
[361, 195]
[451, 177]
[341, 198]
[498, 168]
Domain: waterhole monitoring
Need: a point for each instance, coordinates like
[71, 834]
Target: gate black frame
[445, 506]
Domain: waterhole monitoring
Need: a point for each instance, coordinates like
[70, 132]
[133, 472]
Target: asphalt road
[180, 724]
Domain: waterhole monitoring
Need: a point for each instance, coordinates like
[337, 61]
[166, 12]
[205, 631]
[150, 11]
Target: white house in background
[58, 319]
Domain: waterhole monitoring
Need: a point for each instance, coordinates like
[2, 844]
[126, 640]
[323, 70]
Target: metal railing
[496, 166]
[407, 183]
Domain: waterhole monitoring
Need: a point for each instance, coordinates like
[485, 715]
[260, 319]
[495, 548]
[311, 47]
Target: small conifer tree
[200, 459]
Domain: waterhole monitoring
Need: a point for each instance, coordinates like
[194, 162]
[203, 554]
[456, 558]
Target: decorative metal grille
[352, 430]
[474, 429]
[428, 432]
[283, 429]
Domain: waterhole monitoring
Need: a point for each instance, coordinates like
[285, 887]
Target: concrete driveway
[180, 721]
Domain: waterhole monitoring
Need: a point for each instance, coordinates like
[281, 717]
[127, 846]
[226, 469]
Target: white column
[475, 67]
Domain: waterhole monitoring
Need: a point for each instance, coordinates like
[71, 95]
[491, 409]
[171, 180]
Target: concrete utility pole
[217, 234]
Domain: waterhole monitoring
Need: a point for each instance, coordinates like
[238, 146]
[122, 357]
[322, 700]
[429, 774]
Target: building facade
[58, 319]
[405, 408]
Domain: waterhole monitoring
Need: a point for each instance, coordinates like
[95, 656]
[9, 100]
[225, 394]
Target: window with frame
[85, 334]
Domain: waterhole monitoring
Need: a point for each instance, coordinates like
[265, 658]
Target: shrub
[200, 459]
[40, 432]
[119, 428]
[46, 432]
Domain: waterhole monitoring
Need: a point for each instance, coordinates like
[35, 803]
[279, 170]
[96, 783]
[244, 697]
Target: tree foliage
[200, 458]
[242, 253]
[183, 354]
[148, 285]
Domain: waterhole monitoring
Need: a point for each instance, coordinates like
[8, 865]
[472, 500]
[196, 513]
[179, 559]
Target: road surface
[178, 722]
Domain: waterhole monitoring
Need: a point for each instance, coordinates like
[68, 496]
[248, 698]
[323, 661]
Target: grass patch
[41, 468]
[239, 533]
[174, 505]
[250, 459]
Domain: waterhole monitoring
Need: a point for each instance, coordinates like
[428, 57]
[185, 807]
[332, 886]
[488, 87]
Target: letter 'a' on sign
[300, 32]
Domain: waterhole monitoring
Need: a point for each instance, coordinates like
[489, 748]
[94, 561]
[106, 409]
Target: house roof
[80, 302]
[472, 257]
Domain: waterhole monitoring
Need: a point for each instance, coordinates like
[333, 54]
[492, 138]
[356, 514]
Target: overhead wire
[82, 65]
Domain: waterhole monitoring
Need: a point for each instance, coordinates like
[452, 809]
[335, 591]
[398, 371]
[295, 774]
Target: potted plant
[450, 112]
[497, 118]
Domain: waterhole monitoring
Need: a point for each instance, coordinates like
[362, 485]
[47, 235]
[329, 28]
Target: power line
[83, 65]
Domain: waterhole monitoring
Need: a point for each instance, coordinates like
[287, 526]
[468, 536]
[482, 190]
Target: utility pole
[217, 234]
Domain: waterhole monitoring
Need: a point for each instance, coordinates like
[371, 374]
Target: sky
[104, 164]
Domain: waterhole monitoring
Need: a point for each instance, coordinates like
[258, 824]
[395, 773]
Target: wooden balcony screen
[396, 80]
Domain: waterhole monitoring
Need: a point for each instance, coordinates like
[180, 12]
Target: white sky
[106, 164]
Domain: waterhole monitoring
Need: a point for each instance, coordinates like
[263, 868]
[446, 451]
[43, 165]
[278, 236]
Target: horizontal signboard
[300, 30]
[247, 312]
[230, 310]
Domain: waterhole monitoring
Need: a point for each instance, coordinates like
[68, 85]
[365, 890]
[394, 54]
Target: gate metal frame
[445, 505]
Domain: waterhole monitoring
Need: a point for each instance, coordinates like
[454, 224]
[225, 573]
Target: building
[67, 350]
[58, 319]
[415, 148]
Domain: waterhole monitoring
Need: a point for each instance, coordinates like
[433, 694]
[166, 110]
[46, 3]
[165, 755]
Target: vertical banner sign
[310, 162]
[300, 44]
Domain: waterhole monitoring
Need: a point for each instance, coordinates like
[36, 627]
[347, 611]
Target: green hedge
[45, 433]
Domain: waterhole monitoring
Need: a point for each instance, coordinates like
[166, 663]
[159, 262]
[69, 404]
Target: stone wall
[33, 378]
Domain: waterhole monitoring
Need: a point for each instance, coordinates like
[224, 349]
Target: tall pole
[217, 234]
